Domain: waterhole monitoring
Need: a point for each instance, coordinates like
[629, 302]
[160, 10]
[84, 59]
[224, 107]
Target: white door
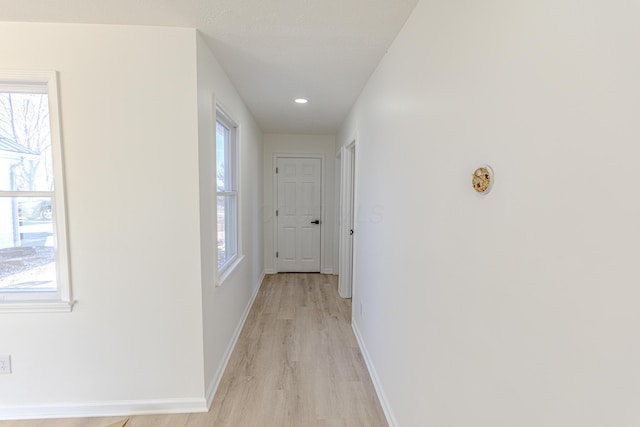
[298, 214]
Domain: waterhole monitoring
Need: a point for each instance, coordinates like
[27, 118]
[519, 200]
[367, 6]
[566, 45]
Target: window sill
[36, 306]
[224, 274]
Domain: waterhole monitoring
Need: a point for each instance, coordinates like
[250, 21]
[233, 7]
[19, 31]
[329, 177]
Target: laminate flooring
[296, 364]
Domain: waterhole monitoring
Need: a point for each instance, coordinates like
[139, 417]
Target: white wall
[275, 144]
[224, 306]
[519, 308]
[137, 135]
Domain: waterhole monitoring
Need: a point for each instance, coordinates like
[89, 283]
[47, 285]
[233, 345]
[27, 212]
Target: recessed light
[301, 101]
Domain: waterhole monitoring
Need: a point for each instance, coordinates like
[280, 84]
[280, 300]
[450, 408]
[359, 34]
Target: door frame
[347, 213]
[337, 223]
[277, 156]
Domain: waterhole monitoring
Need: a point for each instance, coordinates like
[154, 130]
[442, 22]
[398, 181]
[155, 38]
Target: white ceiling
[273, 50]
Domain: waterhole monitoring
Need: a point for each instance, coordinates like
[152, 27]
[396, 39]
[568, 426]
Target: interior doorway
[347, 220]
[298, 214]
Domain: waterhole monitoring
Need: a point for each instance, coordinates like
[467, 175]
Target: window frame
[221, 117]
[61, 299]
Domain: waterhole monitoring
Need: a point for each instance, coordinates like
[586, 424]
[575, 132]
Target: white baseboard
[215, 382]
[133, 407]
[104, 409]
[327, 271]
[255, 291]
[388, 413]
[269, 271]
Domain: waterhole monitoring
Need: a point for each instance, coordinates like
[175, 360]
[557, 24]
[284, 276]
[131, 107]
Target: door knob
[317, 221]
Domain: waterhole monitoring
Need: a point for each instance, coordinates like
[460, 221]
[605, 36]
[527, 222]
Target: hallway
[296, 363]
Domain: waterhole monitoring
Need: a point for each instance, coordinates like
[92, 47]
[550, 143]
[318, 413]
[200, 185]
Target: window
[227, 191]
[33, 251]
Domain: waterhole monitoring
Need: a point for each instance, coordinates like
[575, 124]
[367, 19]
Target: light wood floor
[296, 364]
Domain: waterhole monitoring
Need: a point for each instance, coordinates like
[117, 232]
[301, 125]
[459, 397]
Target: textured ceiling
[273, 50]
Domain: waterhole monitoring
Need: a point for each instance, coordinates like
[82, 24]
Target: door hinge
[276, 170]
[276, 212]
[277, 254]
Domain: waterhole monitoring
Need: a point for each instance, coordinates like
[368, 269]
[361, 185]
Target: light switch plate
[5, 364]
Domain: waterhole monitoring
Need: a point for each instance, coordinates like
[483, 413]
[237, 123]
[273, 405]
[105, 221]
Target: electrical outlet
[5, 364]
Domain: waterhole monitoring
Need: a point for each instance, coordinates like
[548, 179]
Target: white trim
[26, 77]
[215, 382]
[327, 271]
[323, 179]
[337, 223]
[63, 301]
[382, 397]
[347, 215]
[269, 271]
[134, 407]
[59, 201]
[104, 409]
[228, 269]
[222, 117]
[53, 306]
[354, 242]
